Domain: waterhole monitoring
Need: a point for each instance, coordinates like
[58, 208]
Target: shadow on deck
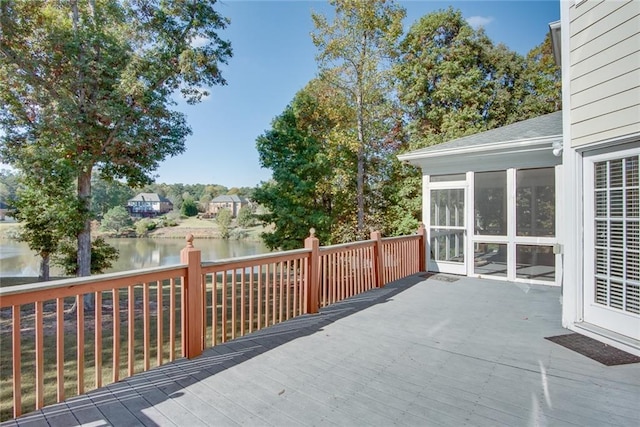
[417, 352]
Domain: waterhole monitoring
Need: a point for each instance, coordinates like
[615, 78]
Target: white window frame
[608, 317]
[511, 239]
[426, 209]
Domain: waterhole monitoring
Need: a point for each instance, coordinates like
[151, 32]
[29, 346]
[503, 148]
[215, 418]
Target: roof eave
[534, 152]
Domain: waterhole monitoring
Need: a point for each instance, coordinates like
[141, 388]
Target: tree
[245, 217]
[541, 82]
[8, 186]
[46, 207]
[92, 82]
[102, 257]
[223, 219]
[354, 50]
[107, 194]
[189, 208]
[297, 197]
[444, 78]
[116, 219]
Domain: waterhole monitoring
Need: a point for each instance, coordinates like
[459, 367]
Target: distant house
[232, 202]
[149, 205]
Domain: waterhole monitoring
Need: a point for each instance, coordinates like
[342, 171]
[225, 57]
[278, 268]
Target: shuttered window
[617, 233]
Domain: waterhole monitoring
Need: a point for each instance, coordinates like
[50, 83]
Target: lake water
[16, 259]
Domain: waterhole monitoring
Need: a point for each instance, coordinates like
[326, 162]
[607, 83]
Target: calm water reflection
[17, 260]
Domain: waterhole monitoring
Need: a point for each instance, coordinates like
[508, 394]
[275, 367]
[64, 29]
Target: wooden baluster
[159, 324]
[60, 348]
[251, 318]
[39, 321]
[172, 320]
[146, 326]
[214, 309]
[97, 345]
[80, 343]
[116, 334]
[234, 303]
[242, 301]
[130, 332]
[16, 353]
[259, 301]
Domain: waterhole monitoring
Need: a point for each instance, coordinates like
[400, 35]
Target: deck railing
[57, 348]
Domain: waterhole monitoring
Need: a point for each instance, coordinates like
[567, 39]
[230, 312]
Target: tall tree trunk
[44, 267]
[84, 237]
[361, 165]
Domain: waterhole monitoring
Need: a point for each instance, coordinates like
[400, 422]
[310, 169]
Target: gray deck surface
[418, 352]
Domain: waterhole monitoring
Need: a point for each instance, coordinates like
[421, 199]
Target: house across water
[149, 205]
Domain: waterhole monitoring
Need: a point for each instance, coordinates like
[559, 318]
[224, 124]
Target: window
[490, 203]
[535, 202]
[447, 225]
[535, 262]
[490, 259]
[617, 234]
[446, 178]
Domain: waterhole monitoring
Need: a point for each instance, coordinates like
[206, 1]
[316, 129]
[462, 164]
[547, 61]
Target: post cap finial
[312, 232]
[190, 240]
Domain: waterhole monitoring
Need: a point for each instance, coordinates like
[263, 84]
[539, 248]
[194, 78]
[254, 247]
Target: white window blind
[617, 233]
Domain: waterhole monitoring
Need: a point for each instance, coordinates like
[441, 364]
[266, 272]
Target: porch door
[612, 242]
[447, 230]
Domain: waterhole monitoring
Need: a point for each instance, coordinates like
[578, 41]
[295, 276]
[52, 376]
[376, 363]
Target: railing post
[312, 282]
[378, 265]
[422, 260]
[192, 342]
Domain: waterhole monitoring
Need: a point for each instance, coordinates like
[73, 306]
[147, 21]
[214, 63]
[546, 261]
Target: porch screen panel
[536, 202]
[617, 234]
[447, 225]
[490, 204]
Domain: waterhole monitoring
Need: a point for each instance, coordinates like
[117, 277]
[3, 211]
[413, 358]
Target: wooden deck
[417, 352]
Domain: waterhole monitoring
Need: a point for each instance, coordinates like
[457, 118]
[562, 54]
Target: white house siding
[604, 70]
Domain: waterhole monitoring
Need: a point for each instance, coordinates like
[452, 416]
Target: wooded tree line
[86, 111]
[380, 93]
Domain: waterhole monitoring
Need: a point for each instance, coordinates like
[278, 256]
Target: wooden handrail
[33, 292]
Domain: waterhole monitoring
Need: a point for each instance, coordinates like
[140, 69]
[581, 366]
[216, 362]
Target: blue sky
[274, 58]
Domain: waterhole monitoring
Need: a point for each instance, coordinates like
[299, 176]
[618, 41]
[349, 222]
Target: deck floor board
[417, 352]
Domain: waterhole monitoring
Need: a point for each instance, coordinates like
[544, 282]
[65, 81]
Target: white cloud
[199, 41]
[479, 21]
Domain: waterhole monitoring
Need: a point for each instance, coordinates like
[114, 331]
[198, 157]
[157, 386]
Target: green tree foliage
[107, 194]
[116, 219]
[445, 81]
[8, 186]
[246, 218]
[353, 51]
[541, 82]
[144, 225]
[295, 199]
[103, 256]
[453, 81]
[91, 82]
[46, 208]
[223, 219]
[189, 208]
